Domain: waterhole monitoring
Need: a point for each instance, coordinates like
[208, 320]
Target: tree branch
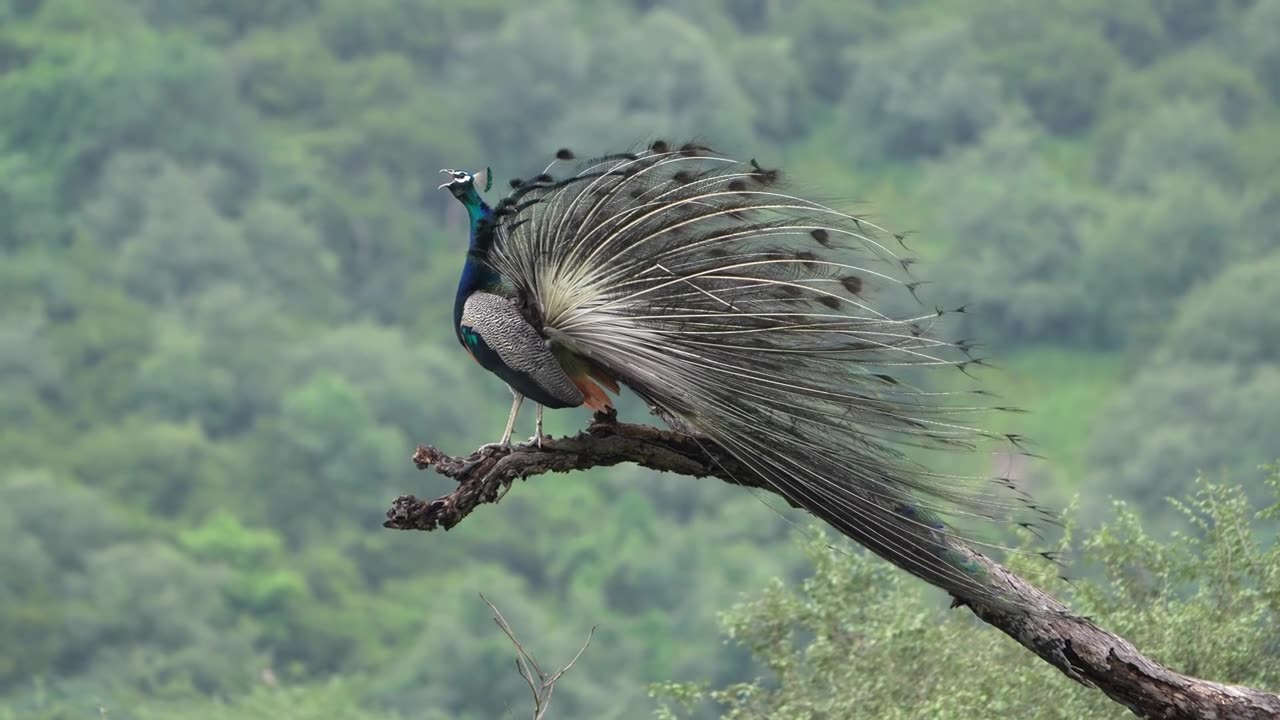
[1074, 645]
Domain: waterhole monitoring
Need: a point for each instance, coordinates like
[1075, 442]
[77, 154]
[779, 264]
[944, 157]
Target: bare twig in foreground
[544, 685]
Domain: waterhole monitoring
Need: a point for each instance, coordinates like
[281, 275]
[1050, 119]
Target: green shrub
[858, 640]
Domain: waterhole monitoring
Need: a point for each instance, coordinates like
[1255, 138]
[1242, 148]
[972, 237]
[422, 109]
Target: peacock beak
[446, 172]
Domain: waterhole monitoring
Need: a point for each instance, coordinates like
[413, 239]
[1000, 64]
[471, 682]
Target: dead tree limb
[544, 685]
[1074, 645]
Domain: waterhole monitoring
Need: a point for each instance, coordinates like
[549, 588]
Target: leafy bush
[1021, 289]
[824, 34]
[1228, 319]
[1260, 38]
[660, 75]
[27, 201]
[1176, 419]
[1199, 77]
[918, 97]
[89, 596]
[1134, 29]
[421, 30]
[857, 640]
[1189, 20]
[76, 102]
[157, 622]
[1061, 69]
[1149, 251]
[1179, 137]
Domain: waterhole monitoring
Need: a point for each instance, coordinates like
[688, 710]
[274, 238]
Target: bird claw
[493, 448]
[536, 441]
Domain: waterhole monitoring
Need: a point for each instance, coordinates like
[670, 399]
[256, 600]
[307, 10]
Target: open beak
[447, 172]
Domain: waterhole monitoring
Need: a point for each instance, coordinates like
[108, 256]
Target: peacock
[789, 333]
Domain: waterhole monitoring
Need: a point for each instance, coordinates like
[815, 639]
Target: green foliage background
[225, 285]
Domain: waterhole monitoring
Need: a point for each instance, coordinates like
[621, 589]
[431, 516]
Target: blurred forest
[225, 291]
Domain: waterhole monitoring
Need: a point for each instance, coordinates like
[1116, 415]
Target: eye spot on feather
[693, 149]
[660, 146]
[821, 236]
[807, 258]
[852, 283]
[543, 178]
[515, 183]
[683, 177]
[564, 154]
[764, 176]
[829, 301]
[738, 185]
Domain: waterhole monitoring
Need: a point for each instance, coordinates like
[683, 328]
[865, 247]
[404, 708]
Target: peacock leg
[505, 442]
[537, 425]
[511, 419]
[536, 440]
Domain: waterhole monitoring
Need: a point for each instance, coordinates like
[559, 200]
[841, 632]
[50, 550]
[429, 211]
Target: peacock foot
[494, 448]
[536, 441]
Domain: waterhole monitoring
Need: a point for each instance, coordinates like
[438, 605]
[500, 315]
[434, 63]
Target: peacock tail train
[783, 330]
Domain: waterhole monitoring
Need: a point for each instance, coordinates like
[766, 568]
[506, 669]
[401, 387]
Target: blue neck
[477, 208]
[476, 275]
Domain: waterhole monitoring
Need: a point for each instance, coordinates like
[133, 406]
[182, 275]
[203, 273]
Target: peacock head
[462, 184]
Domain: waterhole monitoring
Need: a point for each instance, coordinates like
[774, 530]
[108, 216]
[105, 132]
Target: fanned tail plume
[786, 331]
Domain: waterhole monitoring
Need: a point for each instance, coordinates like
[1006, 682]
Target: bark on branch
[1074, 645]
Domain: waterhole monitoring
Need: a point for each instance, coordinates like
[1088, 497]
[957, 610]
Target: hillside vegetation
[226, 283]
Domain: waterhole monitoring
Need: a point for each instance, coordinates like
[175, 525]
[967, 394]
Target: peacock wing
[503, 341]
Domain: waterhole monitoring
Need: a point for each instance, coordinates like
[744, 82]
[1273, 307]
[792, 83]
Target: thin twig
[545, 685]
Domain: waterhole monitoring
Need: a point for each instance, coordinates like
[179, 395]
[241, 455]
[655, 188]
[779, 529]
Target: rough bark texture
[1076, 646]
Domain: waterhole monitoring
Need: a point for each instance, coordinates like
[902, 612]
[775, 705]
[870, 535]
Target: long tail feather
[783, 330]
